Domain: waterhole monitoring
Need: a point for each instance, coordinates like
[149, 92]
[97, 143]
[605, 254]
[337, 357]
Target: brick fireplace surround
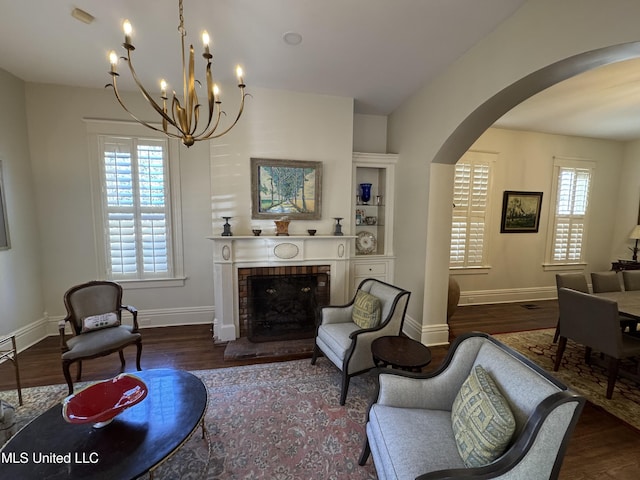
[236, 257]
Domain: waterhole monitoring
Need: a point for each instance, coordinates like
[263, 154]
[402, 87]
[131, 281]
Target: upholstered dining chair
[593, 322]
[575, 281]
[631, 280]
[602, 282]
[345, 332]
[94, 312]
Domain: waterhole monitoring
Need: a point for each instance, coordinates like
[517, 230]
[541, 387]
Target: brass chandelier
[183, 117]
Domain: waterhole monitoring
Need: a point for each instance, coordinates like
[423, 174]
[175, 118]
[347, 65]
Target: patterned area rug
[588, 380]
[276, 421]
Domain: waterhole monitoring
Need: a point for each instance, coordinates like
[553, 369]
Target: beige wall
[524, 161]
[214, 180]
[20, 283]
[541, 33]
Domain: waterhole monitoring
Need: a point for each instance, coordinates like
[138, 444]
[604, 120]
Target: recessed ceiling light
[81, 15]
[292, 38]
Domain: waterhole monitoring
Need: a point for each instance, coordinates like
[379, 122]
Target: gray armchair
[594, 322]
[575, 281]
[605, 282]
[347, 345]
[94, 311]
[411, 426]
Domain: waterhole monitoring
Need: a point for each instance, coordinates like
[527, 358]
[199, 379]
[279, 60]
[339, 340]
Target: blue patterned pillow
[366, 310]
[482, 421]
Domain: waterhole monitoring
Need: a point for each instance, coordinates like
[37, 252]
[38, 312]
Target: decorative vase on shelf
[282, 227]
[365, 192]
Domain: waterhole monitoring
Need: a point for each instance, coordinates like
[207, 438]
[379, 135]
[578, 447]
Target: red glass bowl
[100, 402]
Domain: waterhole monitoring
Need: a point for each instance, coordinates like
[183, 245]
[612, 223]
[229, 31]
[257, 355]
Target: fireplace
[279, 303]
[322, 260]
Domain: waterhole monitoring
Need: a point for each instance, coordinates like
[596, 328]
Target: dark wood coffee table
[400, 352]
[135, 443]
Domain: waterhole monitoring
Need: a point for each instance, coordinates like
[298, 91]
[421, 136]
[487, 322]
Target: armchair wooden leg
[613, 375]
[366, 451]
[79, 374]
[138, 355]
[122, 361]
[316, 352]
[67, 375]
[562, 344]
[345, 388]
[557, 333]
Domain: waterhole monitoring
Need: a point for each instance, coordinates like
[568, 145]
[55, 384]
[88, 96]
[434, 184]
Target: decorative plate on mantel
[365, 243]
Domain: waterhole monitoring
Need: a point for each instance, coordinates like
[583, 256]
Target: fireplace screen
[283, 307]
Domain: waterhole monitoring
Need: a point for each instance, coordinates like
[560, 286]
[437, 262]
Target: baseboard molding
[481, 297]
[429, 335]
[164, 317]
[30, 334]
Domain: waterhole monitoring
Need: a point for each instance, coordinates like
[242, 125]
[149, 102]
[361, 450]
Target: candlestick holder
[338, 229]
[226, 232]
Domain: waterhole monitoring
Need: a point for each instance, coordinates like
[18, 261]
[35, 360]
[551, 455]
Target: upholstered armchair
[513, 421]
[345, 332]
[94, 312]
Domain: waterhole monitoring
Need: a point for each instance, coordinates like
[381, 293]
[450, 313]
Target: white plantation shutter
[572, 202]
[471, 201]
[136, 200]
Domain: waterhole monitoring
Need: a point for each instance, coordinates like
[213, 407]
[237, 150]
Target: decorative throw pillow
[366, 310]
[96, 322]
[482, 421]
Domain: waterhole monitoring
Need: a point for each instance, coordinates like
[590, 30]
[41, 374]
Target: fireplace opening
[283, 307]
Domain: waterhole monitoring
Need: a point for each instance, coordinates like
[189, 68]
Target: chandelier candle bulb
[113, 60]
[239, 74]
[126, 26]
[205, 41]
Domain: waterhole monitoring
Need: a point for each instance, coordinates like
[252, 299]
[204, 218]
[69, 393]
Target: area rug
[588, 380]
[276, 421]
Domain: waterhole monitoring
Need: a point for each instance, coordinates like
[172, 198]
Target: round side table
[400, 352]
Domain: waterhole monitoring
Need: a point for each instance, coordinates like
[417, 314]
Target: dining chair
[602, 282]
[575, 281]
[592, 321]
[631, 280]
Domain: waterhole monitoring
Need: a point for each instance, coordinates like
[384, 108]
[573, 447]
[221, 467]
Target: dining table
[628, 302]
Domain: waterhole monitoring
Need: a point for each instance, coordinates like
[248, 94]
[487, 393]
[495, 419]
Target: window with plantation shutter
[135, 180]
[136, 203]
[572, 182]
[470, 212]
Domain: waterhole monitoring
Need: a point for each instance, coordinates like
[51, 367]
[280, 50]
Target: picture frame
[5, 243]
[286, 188]
[520, 212]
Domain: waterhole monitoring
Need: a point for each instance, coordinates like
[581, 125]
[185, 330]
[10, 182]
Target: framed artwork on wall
[4, 225]
[520, 212]
[286, 188]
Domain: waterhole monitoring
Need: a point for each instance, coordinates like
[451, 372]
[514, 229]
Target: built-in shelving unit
[373, 220]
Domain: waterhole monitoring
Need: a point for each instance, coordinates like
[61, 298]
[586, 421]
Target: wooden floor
[602, 447]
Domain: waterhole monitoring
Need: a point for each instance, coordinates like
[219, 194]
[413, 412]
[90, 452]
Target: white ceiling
[378, 52]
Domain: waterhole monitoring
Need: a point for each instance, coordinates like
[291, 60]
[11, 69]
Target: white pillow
[96, 322]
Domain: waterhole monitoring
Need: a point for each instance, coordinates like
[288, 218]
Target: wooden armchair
[94, 311]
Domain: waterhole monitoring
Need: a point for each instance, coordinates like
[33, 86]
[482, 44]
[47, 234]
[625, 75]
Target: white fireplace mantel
[234, 252]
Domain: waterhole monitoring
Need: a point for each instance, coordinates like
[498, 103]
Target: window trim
[490, 159]
[97, 128]
[558, 163]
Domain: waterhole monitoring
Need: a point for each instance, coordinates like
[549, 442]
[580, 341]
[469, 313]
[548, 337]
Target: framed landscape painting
[286, 188]
[520, 212]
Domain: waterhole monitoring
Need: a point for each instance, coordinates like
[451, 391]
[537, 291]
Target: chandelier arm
[208, 127]
[142, 122]
[210, 135]
[210, 95]
[192, 99]
[179, 114]
[146, 95]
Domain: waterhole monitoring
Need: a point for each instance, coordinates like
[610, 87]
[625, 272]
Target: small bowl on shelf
[101, 402]
[256, 232]
[312, 232]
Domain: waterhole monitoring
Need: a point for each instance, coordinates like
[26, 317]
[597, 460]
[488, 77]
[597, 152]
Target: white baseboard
[30, 334]
[429, 335]
[165, 317]
[480, 297]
